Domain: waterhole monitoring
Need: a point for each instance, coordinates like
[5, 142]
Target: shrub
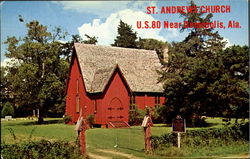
[133, 117]
[7, 109]
[205, 137]
[67, 119]
[40, 150]
[91, 120]
[198, 121]
[136, 115]
[163, 141]
[157, 113]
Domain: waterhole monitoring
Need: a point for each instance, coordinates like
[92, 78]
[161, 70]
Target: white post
[179, 140]
[38, 113]
[116, 144]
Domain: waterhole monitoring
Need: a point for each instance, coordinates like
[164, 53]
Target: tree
[201, 41]
[38, 76]
[154, 44]
[7, 110]
[126, 37]
[231, 89]
[3, 84]
[195, 75]
[91, 40]
[68, 47]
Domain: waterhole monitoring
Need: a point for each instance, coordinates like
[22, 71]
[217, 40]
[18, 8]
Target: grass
[53, 130]
[129, 141]
[236, 150]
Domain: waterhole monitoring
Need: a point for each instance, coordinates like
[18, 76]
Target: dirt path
[119, 153]
[131, 156]
[94, 156]
[238, 156]
[111, 152]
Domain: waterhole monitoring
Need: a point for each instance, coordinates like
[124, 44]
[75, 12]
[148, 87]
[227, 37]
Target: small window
[77, 103]
[95, 107]
[132, 99]
[157, 101]
[132, 102]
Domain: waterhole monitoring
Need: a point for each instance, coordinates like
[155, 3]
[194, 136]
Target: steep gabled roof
[97, 64]
[101, 78]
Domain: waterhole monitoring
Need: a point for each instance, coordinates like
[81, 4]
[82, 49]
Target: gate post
[81, 128]
[82, 138]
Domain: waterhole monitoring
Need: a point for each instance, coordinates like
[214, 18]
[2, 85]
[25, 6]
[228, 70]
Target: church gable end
[103, 79]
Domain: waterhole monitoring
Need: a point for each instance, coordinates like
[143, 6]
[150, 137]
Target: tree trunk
[236, 120]
[40, 116]
[40, 119]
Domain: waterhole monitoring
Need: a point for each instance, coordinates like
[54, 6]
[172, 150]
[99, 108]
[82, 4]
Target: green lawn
[129, 140]
[26, 129]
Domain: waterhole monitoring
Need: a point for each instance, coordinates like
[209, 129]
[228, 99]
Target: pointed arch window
[77, 86]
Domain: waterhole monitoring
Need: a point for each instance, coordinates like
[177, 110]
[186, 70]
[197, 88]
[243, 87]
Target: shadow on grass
[162, 125]
[189, 125]
[212, 124]
[202, 125]
[54, 121]
[30, 123]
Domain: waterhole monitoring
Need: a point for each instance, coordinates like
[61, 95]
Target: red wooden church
[108, 81]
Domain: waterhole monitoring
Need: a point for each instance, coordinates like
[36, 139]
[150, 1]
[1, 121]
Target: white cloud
[62, 41]
[109, 14]
[228, 42]
[104, 8]
[107, 31]
[8, 62]
[1, 3]
[4, 62]
[173, 32]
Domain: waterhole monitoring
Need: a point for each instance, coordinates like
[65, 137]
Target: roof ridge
[115, 47]
[137, 66]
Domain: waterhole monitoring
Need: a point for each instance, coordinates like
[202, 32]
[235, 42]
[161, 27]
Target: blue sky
[100, 18]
